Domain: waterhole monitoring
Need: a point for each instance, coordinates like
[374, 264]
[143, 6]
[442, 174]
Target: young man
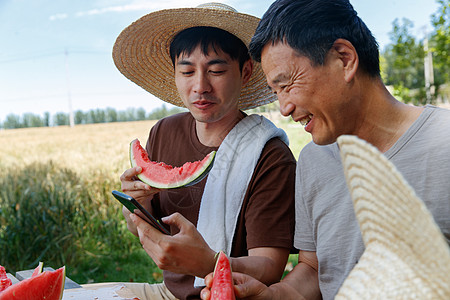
[321, 61]
[198, 58]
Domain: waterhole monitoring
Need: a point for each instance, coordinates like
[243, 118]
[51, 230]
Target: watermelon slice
[222, 285]
[4, 280]
[48, 285]
[38, 269]
[163, 176]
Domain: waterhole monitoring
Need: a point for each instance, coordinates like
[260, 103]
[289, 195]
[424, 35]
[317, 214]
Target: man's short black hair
[312, 26]
[188, 39]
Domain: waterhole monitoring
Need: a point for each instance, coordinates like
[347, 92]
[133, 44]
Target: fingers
[132, 186]
[130, 181]
[130, 174]
[179, 221]
[247, 286]
[146, 232]
[205, 294]
[244, 286]
[209, 279]
[143, 227]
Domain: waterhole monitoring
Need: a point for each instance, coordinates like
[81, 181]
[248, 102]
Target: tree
[32, 120]
[12, 121]
[46, 119]
[111, 115]
[61, 119]
[140, 114]
[80, 117]
[404, 63]
[440, 42]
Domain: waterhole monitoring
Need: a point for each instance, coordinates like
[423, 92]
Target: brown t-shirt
[267, 215]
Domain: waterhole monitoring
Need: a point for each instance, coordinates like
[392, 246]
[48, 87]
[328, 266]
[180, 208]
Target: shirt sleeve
[303, 239]
[270, 216]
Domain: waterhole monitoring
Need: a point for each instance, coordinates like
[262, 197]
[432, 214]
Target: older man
[322, 62]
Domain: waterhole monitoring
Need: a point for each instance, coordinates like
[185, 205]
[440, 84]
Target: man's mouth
[202, 103]
[305, 120]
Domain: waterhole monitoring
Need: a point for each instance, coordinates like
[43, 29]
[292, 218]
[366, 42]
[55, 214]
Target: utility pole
[71, 120]
[429, 73]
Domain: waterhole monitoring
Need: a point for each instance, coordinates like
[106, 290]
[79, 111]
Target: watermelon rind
[139, 153]
[38, 269]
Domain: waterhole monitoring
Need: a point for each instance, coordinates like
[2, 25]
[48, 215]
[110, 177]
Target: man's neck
[212, 134]
[385, 119]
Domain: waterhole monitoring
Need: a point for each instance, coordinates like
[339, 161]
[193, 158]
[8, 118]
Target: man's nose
[202, 84]
[286, 106]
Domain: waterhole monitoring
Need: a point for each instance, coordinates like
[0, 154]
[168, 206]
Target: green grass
[136, 266]
[51, 214]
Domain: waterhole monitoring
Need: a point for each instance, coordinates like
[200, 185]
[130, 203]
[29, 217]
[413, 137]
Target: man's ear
[247, 70]
[347, 54]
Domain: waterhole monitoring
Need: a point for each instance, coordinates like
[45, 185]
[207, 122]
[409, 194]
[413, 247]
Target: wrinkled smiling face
[210, 85]
[316, 96]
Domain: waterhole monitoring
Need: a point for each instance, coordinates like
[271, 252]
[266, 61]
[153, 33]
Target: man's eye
[186, 73]
[284, 88]
[217, 72]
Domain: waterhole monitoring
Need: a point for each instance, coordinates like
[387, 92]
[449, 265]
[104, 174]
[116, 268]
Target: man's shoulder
[172, 122]
[169, 128]
[176, 118]
[276, 148]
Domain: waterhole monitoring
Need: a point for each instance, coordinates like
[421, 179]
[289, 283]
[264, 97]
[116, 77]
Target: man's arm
[265, 264]
[301, 283]
[187, 252]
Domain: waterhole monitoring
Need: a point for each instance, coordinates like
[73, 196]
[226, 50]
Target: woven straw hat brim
[141, 52]
[406, 255]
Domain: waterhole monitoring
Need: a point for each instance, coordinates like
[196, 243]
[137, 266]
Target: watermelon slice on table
[222, 285]
[4, 280]
[48, 285]
[38, 269]
[163, 176]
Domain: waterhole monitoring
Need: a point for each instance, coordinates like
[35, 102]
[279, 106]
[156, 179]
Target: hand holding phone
[131, 204]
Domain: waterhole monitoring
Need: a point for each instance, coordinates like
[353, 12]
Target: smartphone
[132, 204]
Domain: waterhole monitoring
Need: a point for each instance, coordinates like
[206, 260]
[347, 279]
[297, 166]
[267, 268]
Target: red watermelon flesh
[48, 285]
[38, 269]
[164, 176]
[222, 285]
[4, 280]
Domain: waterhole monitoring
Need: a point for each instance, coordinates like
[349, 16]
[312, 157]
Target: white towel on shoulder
[228, 180]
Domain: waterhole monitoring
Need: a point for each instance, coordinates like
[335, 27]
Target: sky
[56, 54]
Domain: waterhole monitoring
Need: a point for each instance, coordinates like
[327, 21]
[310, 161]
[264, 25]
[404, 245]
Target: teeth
[306, 120]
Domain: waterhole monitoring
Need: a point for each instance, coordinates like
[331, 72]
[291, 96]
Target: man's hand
[185, 252]
[246, 287]
[135, 188]
[301, 283]
[140, 191]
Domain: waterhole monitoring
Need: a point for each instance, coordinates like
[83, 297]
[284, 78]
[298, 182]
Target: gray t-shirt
[325, 219]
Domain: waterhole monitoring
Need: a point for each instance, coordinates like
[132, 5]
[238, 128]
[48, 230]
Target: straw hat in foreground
[141, 51]
[406, 255]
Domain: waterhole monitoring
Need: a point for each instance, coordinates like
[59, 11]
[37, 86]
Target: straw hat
[406, 255]
[141, 51]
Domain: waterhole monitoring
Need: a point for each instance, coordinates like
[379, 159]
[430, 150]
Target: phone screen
[131, 204]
